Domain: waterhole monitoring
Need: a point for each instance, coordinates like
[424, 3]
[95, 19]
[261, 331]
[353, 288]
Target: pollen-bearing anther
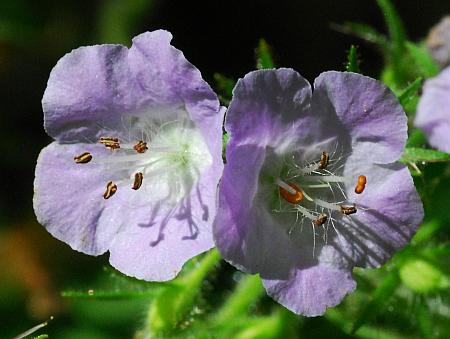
[293, 195]
[111, 188]
[138, 177]
[110, 143]
[83, 158]
[361, 184]
[140, 147]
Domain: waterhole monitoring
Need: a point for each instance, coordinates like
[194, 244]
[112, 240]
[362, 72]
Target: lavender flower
[136, 158]
[311, 187]
[433, 111]
[438, 42]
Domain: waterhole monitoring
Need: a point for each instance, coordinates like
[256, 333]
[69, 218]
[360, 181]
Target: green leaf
[421, 276]
[174, 303]
[397, 36]
[352, 60]
[225, 139]
[264, 57]
[416, 138]
[225, 87]
[108, 295]
[422, 60]
[425, 232]
[379, 301]
[410, 92]
[412, 154]
[364, 32]
[118, 20]
[248, 291]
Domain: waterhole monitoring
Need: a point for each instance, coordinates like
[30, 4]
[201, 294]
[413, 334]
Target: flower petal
[156, 244]
[368, 111]
[389, 213]
[145, 240]
[271, 107]
[68, 198]
[433, 112]
[172, 81]
[85, 93]
[310, 291]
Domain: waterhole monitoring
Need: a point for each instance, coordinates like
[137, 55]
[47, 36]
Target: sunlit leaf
[422, 60]
[264, 57]
[410, 92]
[397, 38]
[422, 276]
[174, 303]
[413, 154]
[352, 60]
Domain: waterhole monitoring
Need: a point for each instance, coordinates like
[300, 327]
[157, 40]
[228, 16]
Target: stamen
[324, 160]
[325, 178]
[347, 210]
[138, 177]
[327, 205]
[320, 220]
[83, 158]
[290, 192]
[111, 188]
[110, 143]
[140, 147]
[361, 184]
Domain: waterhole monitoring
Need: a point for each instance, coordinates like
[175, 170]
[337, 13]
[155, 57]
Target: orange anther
[361, 184]
[293, 198]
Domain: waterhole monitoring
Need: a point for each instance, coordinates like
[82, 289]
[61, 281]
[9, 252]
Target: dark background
[216, 36]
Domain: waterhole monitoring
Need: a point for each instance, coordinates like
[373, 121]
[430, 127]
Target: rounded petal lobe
[270, 107]
[68, 198]
[389, 213]
[310, 291]
[368, 110]
[157, 242]
[433, 111]
[85, 93]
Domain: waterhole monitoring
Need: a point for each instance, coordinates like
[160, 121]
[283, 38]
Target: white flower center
[161, 161]
[315, 193]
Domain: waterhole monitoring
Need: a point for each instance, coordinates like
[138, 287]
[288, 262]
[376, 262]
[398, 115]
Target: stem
[175, 301]
[248, 290]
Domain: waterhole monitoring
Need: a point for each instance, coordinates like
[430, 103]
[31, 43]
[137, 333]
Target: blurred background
[217, 37]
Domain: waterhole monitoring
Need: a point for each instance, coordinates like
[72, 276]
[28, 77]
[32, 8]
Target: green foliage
[422, 60]
[412, 154]
[364, 32]
[175, 302]
[422, 276]
[397, 39]
[352, 60]
[248, 290]
[410, 92]
[224, 87]
[379, 300]
[264, 57]
[115, 286]
[119, 19]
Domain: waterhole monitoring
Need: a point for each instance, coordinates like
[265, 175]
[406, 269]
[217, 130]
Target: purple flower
[136, 159]
[433, 111]
[438, 42]
[311, 187]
